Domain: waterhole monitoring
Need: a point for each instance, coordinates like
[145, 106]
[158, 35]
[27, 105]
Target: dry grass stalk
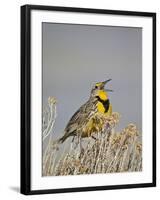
[110, 152]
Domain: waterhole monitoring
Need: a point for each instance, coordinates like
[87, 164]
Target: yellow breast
[103, 96]
[101, 109]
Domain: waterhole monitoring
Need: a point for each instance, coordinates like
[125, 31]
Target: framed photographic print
[88, 99]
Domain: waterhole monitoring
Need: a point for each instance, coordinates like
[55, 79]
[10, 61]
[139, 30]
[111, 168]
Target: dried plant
[111, 151]
[49, 117]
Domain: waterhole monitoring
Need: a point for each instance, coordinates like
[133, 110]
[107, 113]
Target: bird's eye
[96, 86]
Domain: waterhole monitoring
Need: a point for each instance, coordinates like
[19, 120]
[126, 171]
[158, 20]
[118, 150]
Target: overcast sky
[77, 56]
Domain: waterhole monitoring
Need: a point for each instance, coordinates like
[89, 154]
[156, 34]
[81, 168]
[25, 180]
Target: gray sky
[77, 56]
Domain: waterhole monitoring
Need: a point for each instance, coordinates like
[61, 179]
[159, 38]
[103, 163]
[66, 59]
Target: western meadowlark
[90, 118]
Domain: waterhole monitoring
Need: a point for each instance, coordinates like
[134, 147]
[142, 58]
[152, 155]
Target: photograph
[92, 99]
[88, 99]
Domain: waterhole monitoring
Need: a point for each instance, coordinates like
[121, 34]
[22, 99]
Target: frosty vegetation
[110, 152]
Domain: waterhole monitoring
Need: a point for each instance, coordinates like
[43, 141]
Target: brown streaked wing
[80, 117]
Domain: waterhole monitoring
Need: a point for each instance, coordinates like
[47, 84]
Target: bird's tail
[59, 141]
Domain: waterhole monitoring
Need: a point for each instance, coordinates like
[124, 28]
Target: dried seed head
[52, 100]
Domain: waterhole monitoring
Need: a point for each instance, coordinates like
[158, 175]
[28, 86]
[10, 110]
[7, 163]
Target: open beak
[104, 83]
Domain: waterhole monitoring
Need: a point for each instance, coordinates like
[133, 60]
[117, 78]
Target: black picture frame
[26, 98]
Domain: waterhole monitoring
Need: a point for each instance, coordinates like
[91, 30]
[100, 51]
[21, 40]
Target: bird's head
[99, 91]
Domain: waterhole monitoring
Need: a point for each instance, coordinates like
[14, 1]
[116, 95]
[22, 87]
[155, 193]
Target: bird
[90, 118]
